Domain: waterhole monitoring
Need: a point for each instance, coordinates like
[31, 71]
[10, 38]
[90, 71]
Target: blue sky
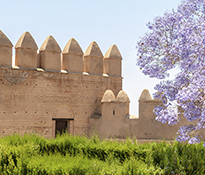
[107, 22]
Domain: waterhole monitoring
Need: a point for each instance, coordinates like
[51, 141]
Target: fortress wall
[117, 123]
[82, 91]
[50, 58]
[148, 127]
[30, 99]
[36, 93]
[115, 113]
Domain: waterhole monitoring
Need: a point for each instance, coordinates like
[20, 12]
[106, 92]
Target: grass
[32, 154]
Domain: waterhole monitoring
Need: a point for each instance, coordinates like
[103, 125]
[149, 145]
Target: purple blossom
[177, 39]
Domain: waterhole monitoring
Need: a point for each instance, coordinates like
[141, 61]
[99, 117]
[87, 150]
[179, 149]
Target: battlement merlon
[50, 57]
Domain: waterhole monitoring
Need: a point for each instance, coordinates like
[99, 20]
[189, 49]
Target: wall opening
[113, 112]
[62, 126]
[63, 120]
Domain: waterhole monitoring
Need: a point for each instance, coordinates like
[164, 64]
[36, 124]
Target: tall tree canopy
[177, 39]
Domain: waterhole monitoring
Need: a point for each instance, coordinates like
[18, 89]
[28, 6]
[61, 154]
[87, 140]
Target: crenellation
[26, 52]
[122, 97]
[108, 97]
[112, 62]
[50, 59]
[93, 59]
[50, 55]
[4, 41]
[145, 96]
[72, 57]
[5, 51]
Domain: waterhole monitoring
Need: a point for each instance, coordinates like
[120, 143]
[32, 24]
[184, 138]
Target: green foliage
[32, 154]
[178, 158]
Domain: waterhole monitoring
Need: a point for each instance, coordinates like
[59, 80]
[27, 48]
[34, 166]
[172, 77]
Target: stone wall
[116, 122]
[48, 86]
[49, 90]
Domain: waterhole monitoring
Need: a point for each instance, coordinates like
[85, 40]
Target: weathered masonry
[50, 91]
[43, 94]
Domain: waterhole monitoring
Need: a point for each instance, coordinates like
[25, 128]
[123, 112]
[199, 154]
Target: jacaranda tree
[177, 40]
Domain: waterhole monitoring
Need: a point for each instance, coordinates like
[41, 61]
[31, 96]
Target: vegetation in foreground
[77, 155]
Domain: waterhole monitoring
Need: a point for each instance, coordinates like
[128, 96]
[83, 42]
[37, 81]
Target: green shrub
[32, 154]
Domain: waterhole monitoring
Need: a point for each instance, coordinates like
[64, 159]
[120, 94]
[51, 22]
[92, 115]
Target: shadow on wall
[116, 122]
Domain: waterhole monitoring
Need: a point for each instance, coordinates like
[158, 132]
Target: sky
[120, 22]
